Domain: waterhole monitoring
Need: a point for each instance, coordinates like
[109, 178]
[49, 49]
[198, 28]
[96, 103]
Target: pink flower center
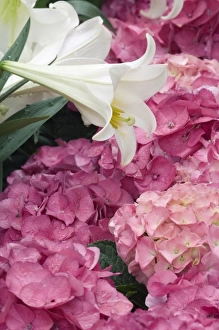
[171, 124]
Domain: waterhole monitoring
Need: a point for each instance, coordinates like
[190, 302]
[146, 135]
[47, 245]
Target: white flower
[158, 7]
[55, 36]
[13, 16]
[54, 32]
[138, 84]
[107, 95]
[47, 25]
[89, 86]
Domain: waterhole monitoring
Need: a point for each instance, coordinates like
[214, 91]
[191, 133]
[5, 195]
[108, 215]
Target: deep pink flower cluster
[98, 161]
[187, 116]
[186, 111]
[74, 203]
[195, 30]
[203, 165]
[167, 230]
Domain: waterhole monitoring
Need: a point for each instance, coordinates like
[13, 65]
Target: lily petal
[105, 133]
[148, 55]
[29, 3]
[177, 7]
[157, 8]
[88, 38]
[144, 117]
[90, 87]
[125, 138]
[49, 28]
[127, 144]
[11, 26]
[140, 83]
[49, 23]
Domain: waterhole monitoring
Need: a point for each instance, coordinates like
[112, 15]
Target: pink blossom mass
[68, 205]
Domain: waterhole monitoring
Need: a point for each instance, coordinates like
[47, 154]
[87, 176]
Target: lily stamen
[117, 119]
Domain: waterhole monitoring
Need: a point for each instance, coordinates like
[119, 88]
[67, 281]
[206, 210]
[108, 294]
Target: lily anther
[117, 118]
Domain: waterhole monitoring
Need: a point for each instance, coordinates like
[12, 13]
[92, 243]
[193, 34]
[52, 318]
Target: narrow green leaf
[10, 126]
[14, 52]
[9, 143]
[88, 10]
[12, 89]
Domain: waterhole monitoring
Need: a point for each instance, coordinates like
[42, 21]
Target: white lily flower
[107, 95]
[55, 36]
[89, 40]
[55, 33]
[128, 108]
[13, 16]
[47, 25]
[90, 87]
[158, 7]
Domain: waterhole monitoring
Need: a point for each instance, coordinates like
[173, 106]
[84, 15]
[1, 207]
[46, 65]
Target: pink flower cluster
[188, 302]
[47, 284]
[186, 111]
[195, 30]
[48, 215]
[158, 318]
[203, 165]
[64, 196]
[74, 203]
[169, 230]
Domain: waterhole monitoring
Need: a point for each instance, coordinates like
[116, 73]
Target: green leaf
[87, 10]
[97, 3]
[42, 3]
[12, 89]
[109, 256]
[14, 52]
[9, 143]
[125, 282]
[10, 126]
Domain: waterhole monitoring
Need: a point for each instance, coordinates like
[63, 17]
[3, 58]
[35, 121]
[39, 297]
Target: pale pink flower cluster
[170, 230]
[189, 73]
